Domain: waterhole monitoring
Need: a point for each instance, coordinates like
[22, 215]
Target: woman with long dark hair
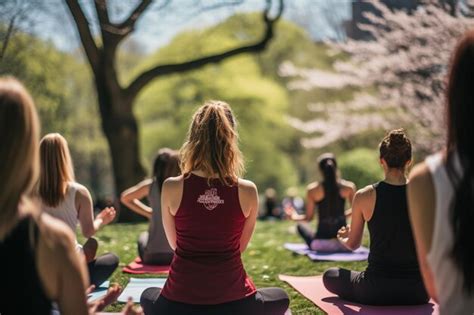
[153, 247]
[330, 197]
[392, 276]
[441, 196]
[209, 215]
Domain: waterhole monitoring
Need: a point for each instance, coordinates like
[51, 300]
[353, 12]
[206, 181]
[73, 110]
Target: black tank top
[21, 291]
[392, 247]
[331, 217]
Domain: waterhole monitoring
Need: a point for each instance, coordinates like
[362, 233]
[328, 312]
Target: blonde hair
[19, 133]
[56, 169]
[212, 144]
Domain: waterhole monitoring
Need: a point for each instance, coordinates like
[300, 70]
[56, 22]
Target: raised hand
[107, 215]
[343, 233]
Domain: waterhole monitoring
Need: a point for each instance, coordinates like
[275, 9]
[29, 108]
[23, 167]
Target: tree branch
[7, 37]
[149, 75]
[127, 26]
[82, 25]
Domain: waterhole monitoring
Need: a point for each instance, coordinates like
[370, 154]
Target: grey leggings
[366, 288]
[267, 301]
[152, 258]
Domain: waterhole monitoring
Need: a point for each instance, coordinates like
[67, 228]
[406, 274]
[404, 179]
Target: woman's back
[449, 279]
[66, 209]
[331, 215]
[392, 247]
[207, 267]
[18, 252]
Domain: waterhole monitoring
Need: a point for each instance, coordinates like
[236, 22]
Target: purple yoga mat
[362, 253]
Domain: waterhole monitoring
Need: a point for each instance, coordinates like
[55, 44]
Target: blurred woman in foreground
[441, 196]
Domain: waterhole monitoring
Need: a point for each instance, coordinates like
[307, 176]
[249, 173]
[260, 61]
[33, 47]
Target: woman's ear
[383, 163]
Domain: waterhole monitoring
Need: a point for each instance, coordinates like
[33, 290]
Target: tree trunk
[121, 130]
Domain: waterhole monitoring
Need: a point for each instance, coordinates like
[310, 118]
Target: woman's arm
[61, 268]
[421, 209]
[89, 225]
[171, 194]
[131, 198]
[351, 190]
[351, 236]
[310, 201]
[248, 198]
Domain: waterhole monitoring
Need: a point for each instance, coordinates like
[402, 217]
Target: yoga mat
[99, 292]
[362, 253]
[136, 286]
[137, 267]
[313, 289]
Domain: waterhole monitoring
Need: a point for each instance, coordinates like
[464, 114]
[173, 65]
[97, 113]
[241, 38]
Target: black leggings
[267, 301]
[152, 258]
[366, 288]
[101, 268]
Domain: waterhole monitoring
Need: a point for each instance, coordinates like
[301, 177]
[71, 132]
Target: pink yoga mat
[137, 267]
[313, 289]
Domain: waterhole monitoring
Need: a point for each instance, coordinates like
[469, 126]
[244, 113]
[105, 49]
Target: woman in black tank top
[329, 197]
[37, 254]
[392, 276]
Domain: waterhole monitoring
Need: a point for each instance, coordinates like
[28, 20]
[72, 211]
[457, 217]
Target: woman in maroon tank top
[209, 215]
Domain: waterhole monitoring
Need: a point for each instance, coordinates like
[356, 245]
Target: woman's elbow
[88, 233]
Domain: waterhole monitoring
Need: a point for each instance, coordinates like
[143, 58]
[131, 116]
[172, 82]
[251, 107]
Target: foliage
[250, 84]
[360, 166]
[61, 88]
[407, 63]
[264, 259]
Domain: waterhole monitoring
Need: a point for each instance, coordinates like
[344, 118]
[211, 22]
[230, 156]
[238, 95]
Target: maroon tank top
[207, 267]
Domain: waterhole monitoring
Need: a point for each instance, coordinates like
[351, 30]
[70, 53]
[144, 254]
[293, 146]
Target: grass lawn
[264, 259]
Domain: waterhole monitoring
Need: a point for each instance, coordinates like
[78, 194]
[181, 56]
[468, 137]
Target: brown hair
[212, 143]
[166, 165]
[19, 132]
[56, 169]
[395, 149]
[460, 110]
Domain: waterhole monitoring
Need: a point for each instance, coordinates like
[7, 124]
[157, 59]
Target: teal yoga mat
[136, 286]
[99, 292]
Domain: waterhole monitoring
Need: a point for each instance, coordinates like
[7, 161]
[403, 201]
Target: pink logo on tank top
[210, 199]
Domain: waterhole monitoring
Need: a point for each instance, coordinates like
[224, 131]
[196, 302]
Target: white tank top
[447, 277]
[66, 210]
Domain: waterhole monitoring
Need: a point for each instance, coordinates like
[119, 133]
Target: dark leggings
[366, 288]
[267, 301]
[152, 258]
[305, 232]
[101, 268]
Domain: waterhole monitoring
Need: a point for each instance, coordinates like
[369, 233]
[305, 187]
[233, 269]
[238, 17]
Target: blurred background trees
[319, 85]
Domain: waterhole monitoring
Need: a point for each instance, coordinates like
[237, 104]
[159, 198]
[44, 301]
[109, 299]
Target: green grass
[264, 259]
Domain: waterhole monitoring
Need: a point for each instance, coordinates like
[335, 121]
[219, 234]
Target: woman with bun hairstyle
[441, 196]
[392, 276]
[209, 215]
[330, 197]
[153, 247]
[38, 258]
[65, 199]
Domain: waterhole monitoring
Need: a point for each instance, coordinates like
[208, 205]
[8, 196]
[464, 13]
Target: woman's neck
[202, 173]
[396, 177]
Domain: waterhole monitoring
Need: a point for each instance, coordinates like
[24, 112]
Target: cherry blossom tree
[407, 63]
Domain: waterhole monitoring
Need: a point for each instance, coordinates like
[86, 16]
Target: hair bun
[397, 137]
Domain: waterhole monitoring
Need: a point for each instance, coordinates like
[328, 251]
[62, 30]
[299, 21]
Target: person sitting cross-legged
[392, 276]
